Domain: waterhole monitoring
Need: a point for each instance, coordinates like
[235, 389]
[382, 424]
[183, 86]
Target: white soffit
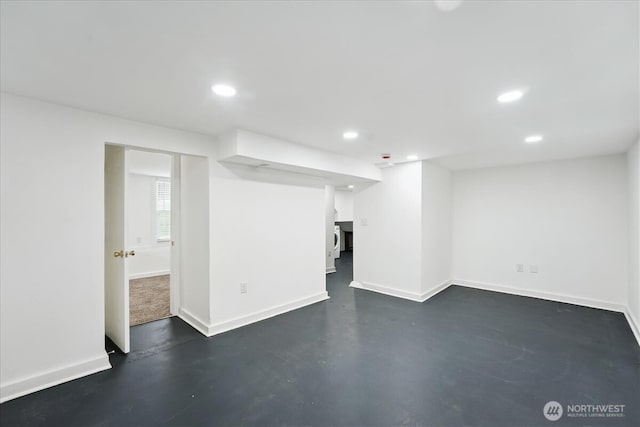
[252, 149]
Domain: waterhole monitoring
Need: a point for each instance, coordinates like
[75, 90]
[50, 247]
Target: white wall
[52, 237]
[140, 209]
[387, 232]
[268, 232]
[263, 229]
[437, 231]
[148, 163]
[344, 205]
[150, 261]
[567, 217]
[144, 169]
[405, 248]
[633, 158]
[194, 241]
[152, 257]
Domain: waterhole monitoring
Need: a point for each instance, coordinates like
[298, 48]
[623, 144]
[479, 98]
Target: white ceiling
[411, 78]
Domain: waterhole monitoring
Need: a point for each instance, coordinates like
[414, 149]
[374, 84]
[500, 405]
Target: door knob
[119, 253]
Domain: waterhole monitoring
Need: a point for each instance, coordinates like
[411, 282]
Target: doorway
[148, 212]
[343, 224]
[142, 283]
[339, 201]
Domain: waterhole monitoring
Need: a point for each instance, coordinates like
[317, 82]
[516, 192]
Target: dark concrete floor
[465, 357]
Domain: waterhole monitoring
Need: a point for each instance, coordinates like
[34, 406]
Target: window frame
[156, 212]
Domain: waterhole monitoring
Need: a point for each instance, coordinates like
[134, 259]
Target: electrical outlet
[533, 268]
[243, 288]
[520, 268]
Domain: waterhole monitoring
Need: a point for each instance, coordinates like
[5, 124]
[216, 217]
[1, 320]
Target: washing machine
[336, 242]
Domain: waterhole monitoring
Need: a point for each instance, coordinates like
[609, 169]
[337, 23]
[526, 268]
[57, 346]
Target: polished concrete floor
[465, 357]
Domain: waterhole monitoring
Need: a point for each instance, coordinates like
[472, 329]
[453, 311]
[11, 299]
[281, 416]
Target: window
[163, 209]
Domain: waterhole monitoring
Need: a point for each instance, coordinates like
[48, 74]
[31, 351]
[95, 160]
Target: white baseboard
[149, 274]
[237, 322]
[633, 323]
[220, 327]
[399, 293]
[605, 305]
[435, 290]
[194, 321]
[53, 377]
[386, 290]
[330, 270]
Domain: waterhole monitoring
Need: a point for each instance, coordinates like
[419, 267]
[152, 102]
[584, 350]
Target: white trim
[633, 323]
[149, 274]
[435, 290]
[194, 321]
[386, 290]
[174, 249]
[587, 302]
[399, 293]
[53, 377]
[330, 270]
[237, 322]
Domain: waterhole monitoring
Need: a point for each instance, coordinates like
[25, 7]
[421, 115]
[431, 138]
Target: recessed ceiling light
[350, 186]
[447, 5]
[223, 90]
[533, 139]
[510, 96]
[412, 157]
[350, 134]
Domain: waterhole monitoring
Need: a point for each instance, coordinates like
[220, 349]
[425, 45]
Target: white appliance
[336, 242]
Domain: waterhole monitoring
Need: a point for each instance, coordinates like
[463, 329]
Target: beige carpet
[148, 299]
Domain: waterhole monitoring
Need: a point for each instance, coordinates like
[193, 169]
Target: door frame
[175, 247]
[174, 274]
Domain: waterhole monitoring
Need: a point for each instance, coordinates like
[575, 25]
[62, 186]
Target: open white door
[116, 281]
